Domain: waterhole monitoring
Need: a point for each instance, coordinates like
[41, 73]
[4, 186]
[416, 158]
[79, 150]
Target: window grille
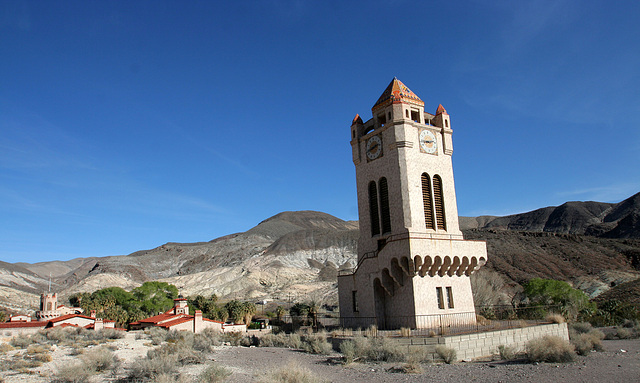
[427, 201]
[373, 209]
[384, 206]
[439, 202]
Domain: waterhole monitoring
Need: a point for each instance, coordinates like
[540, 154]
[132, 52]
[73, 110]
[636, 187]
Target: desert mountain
[598, 219]
[296, 255]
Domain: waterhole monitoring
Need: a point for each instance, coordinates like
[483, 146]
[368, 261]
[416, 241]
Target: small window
[373, 209]
[354, 300]
[382, 119]
[449, 297]
[407, 113]
[389, 116]
[415, 116]
[353, 134]
[440, 298]
[446, 123]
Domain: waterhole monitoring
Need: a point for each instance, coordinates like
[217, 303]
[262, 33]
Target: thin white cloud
[610, 193]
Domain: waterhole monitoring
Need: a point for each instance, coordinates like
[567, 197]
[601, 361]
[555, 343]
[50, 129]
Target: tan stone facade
[413, 262]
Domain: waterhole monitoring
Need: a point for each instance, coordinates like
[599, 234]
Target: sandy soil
[611, 365]
[619, 362]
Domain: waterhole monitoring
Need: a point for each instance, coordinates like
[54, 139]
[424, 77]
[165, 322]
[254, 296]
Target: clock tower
[413, 263]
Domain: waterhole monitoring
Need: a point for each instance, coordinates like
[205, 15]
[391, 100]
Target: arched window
[427, 200]
[384, 206]
[373, 209]
[439, 202]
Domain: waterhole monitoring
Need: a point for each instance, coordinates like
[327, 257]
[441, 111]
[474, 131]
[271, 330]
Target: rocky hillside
[621, 220]
[296, 255]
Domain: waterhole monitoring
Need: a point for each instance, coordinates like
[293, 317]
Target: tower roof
[395, 93]
[441, 110]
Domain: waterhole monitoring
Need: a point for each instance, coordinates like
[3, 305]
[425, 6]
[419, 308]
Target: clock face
[428, 143]
[374, 147]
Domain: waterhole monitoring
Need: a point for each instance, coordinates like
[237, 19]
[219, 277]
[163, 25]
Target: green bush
[549, 349]
[551, 292]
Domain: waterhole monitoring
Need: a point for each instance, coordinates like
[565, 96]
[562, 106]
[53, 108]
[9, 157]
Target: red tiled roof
[23, 324]
[69, 316]
[176, 321]
[441, 110]
[397, 92]
[211, 320]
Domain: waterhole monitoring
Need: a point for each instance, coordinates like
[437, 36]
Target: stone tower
[413, 262]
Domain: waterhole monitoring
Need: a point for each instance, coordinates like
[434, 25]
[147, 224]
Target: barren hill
[599, 219]
[297, 255]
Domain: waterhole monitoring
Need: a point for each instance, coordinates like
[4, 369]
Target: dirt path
[611, 365]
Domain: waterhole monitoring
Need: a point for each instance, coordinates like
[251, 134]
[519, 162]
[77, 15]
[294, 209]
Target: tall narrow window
[384, 206]
[373, 209]
[427, 201]
[354, 300]
[449, 297]
[440, 297]
[439, 202]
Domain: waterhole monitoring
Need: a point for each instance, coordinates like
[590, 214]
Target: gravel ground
[252, 364]
[611, 365]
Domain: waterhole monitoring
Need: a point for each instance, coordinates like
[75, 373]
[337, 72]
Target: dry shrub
[214, 374]
[372, 350]
[432, 334]
[291, 373]
[317, 343]
[171, 378]
[481, 320]
[506, 352]
[4, 347]
[447, 354]
[372, 331]
[580, 327]
[100, 359]
[405, 332]
[38, 349]
[151, 368]
[550, 349]
[72, 373]
[23, 342]
[555, 318]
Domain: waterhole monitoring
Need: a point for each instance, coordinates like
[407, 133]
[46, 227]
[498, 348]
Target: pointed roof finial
[397, 92]
[357, 119]
[441, 110]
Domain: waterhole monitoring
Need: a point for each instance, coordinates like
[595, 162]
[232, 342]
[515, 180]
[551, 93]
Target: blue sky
[125, 125]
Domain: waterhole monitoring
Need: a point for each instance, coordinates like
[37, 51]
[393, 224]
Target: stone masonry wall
[470, 346]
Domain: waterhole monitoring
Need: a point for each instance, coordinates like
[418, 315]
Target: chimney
[98, 324]
[197, 321]
[93, 313]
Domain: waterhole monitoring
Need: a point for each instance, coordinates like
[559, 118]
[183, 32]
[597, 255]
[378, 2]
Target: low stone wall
[483, 344]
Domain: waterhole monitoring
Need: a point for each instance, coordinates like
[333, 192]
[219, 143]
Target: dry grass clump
[100, 359]
[316, 343]
[214, 374]
[291, 373]
[149, 369]
[550, 349]
[555, 318]
[371, 350]
[371, 332]
[72, 373]
[4, 347]
[585, 338]
[447, 354]
[405, 332]
[506, 352]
